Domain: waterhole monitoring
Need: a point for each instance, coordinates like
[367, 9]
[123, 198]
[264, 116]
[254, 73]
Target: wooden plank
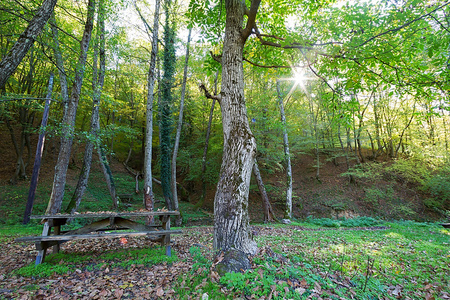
[107, 215]
[95, 235]
[133, 225]
[89, 228]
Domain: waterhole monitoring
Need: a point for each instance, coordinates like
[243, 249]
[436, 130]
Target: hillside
[391, 197]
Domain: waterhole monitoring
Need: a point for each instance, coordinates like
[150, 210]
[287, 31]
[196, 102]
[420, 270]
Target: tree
[165, 127]
[59, 181]
[287, 156]
[178, 134]
[9, 63]
[93, 138]
[231, 220]
[148, 187]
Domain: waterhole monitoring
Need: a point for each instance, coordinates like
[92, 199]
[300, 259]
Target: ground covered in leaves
[299, 261]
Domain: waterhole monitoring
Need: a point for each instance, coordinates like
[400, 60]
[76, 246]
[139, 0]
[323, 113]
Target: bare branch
[251, 21]
[208, 94]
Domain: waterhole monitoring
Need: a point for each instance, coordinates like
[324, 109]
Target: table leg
[42, 249]
[56, 231]
[166, 238]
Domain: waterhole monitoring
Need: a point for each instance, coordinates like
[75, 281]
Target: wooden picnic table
[103, 225]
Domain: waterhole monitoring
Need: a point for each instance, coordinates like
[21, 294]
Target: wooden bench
[110, 221]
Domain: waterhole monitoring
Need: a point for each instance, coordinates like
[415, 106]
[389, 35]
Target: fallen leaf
[159, 292]
[118, 293]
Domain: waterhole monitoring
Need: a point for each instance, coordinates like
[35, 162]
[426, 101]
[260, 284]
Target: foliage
[363, 264]
[355, 222]
[438, 185]
[61, 263]
[42, 270]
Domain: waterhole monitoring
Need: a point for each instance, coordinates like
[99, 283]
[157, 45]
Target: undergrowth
[62, 263]
[400, 260]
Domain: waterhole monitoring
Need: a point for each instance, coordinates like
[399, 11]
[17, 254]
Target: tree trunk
[205, 148]
[97, 86]
[148, 187]
[10, 62]
[59, 182]
[39, 148]
[287, 157]
[178, 220]
[108, 175]
[231, 220]
[268, 212]
[165, 122]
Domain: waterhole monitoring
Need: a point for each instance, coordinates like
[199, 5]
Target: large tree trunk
[287, 157]
[10, 62]
[231, 220]
[177, 137]
[59, 181]
[148, 187]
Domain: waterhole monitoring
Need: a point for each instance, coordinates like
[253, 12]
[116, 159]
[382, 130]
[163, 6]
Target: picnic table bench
[101, 227]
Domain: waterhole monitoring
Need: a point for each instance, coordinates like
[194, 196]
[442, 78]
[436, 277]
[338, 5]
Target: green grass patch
[61, 263]
[408, 258]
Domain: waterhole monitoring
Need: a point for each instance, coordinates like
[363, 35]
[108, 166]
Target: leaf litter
[163, 280]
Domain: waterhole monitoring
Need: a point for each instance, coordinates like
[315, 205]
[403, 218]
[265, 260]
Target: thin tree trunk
[205, 148]
[178, 220]
[148, 187]
[268, 212]
[10, 62]
[19, 160]
[108, 174]
[165, 122]
[97, 86]
[39, 149]
[59, 182]
[287, 157]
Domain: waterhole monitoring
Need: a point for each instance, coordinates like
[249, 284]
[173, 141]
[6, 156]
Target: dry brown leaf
[159, 292]
[118, 293]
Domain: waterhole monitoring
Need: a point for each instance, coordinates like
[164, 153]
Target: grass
[362, 264]
[61, 263]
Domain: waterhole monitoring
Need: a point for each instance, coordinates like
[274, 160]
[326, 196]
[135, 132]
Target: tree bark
[97, 86]
[199, 204]
[39, 149]
[166, 102]
[10, 62]
[287, 157]
[108, 174]
[231, 220]
[148, 187]
[268, 212]
[59, 182]
[178, 220]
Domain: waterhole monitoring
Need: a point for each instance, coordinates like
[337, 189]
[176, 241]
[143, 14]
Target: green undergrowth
[62, 263]
[400, 260]
[356, 222]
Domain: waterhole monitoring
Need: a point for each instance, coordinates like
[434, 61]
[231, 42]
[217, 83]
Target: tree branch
[402, 26]
[272, 66]
[251, 21]
[208, 94]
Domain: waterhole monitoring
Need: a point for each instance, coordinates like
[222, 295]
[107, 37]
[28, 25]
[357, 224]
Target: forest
[296, 114]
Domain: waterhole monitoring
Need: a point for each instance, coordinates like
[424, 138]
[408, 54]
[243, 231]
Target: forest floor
[403, 260]
[304, 260]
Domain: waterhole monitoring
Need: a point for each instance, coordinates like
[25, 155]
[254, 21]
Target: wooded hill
[351, 101]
